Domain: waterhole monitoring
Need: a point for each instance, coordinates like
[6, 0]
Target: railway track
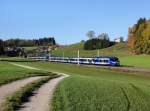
[122, 68]
[118, 68]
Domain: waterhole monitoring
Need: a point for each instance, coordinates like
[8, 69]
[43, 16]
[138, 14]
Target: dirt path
[40, 101]
[29, 67]
[10, 88]
[23, 66]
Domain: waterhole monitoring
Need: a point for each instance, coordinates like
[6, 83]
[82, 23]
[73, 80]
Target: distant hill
[119, 49]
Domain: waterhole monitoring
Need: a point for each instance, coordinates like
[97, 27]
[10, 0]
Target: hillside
[71, 50]
[30, 48]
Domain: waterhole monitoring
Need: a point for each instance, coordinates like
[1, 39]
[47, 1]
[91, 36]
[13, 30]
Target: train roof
[112, 57]
[106, 57]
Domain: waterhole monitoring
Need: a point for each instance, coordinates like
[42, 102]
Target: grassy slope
[136, 60]
[9, 72]
[93, 89]
[71, 50]
[30, 48]
[15, 59]
[119, 50]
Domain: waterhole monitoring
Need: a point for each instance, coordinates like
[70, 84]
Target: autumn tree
[139, 37]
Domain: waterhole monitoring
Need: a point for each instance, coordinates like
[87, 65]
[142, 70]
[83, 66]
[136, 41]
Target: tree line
[97, 42]
[14, 46]
[139, 37]
[28, 43]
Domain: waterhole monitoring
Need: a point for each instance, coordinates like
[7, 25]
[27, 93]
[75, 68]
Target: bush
[93, 44]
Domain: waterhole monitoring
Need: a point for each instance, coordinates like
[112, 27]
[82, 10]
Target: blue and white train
[103, 60]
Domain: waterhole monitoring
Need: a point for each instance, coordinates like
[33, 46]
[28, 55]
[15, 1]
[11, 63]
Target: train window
[105, 61]
[82, 59]
[102, 61]
[96, 60]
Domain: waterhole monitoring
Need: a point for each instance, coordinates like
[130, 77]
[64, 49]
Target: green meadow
[71, 51]
[90, 88]
[10, 72]
[120, 50]
[95, 89]
[141, 61]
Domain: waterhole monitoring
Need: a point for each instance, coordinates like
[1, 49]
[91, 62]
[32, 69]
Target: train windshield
[114, 59]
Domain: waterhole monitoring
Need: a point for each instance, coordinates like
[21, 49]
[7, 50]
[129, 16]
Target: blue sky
[69, 20]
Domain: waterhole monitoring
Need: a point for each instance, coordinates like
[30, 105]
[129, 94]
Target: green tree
[90, 34]
[103, 36]
[95, 43]
[1, 47]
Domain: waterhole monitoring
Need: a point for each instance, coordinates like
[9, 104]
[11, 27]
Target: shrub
[96, 43]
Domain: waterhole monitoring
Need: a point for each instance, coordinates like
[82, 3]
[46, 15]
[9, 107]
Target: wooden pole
[97, 53]
[78, 57]
[63, 56]
[49, 56]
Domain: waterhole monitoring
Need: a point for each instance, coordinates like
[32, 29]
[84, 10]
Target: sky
[69, 20]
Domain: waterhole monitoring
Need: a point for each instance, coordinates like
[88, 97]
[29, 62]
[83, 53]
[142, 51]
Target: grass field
[94, 89]
[142, 61]
[71, 50]
[10, 73]
[15, 59]
[29, 48]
